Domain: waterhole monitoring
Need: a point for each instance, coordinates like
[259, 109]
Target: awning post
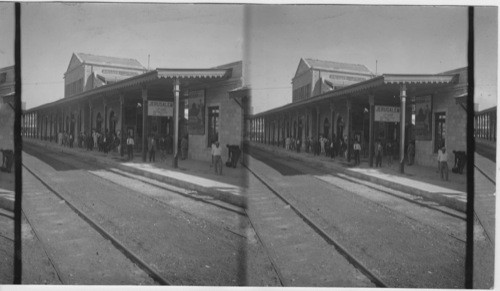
[372, 122]
[144, 121]
[176, 121]
[402, 125]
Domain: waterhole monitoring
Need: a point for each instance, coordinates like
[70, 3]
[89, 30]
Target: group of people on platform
[125, 144]
[163, 145]
[338, 147]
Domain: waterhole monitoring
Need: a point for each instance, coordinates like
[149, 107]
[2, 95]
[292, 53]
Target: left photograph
[7, 117]
[132, 136]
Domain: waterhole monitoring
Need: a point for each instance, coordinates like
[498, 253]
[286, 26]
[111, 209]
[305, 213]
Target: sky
[271, 40]
[6, 34]
[175, 36]
[400, 39]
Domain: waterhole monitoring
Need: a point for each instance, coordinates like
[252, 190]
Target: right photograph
[358, 146]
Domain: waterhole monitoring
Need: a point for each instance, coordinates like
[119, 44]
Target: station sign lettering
[160, 108]
[387, 114]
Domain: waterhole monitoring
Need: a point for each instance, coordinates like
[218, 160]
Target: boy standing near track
[130, 147]
[217, 153]
[443, 163]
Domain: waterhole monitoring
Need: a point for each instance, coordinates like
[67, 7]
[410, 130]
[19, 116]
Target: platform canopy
[157, 81]
[386, 88]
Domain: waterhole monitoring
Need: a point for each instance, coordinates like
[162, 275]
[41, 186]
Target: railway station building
[7, 115]
[119, 96]
[347, 101]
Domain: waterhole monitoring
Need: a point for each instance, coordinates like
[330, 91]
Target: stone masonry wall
[6, 127]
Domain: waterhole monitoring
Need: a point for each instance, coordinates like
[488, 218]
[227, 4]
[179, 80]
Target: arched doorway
[98, 122]
[299, 129]
[72, 125]
[340, 127]
[46, 129]
[326, 128]
[112, 122]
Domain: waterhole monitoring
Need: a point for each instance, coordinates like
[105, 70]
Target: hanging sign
[423, 118]
[196, 116]
[160, 108]
[387, 114]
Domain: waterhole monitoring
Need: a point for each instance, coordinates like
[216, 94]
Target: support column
[176, 121]
[371, 99]
[349, 127]
[90, 117]
[317, 123]
[105, 105]
[37, 125]
[297, 128]
[144, 121]
[402, 125]
[265, 131]
[122, 130]
[278, 131]
[490, 126]
[332, 121]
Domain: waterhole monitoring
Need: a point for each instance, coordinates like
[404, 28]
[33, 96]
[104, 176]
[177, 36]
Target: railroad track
[491, 179]
[320, 227]
[394, 194]
[154, 273]
[323, 234]
[148, 269]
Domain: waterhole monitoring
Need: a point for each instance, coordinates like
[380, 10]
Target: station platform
[417, 180]
[190, 174]
[230, 187]
[7, 183]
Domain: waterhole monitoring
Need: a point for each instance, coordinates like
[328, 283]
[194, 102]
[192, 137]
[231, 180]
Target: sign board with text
[387, 114]
[160, 108]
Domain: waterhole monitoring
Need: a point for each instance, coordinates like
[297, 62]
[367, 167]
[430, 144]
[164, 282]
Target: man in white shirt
[357, 151]
[217, 153]
[443, 163]
[130, 147]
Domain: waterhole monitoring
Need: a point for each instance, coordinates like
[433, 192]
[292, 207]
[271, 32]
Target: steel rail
[330, 240]
[400, 197]
[484, 174]
[49, 257]
[132, 176]
[120, 246]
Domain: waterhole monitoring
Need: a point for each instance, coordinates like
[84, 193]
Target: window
[440, 131]
[213, 124]
[3, 78]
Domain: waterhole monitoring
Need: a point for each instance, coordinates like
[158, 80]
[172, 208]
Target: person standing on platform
[440, 152]
[389, 152]
[322, 144]
[213, 157]
[184, 147]
[217, 154]
[169, 144]
[357, 151]
[378, 154]
[152, 148]
[130, 147]
[443, 162]
[297, 145]
[411, 153]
